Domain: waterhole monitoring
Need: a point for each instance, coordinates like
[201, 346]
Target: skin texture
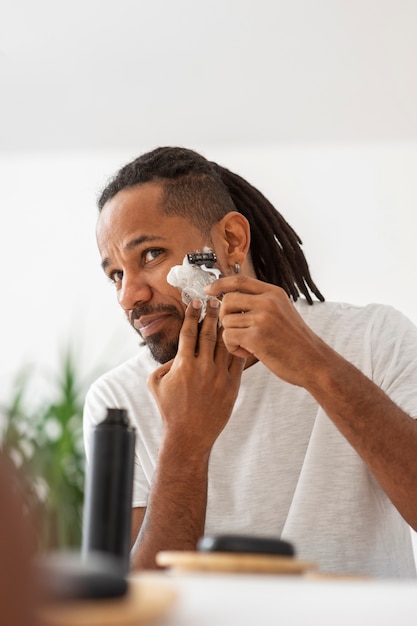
[270, 330]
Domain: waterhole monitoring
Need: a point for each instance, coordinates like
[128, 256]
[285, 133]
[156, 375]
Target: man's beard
[161, 350]
[161, 347]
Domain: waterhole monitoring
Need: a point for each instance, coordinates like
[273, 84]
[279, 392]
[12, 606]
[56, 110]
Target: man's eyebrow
[134, 243]
[131, 245]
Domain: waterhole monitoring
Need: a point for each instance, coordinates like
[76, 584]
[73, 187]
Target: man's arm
[175, 516]
[138, 513]
[195, 394]
[272, 331]
[382, 433]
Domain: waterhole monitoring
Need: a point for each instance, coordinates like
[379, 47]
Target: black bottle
[108, 491]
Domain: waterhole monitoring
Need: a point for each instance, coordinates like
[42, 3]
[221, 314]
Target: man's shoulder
[344, 310]
[340, 318]
[135, 368]
[120, 387]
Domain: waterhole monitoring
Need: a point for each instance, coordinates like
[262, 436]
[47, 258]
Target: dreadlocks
[275, 246]
[204, 192]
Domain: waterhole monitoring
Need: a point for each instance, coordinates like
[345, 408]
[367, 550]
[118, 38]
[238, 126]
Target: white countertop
[268, 600]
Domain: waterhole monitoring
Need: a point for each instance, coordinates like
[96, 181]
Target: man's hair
[204, 192]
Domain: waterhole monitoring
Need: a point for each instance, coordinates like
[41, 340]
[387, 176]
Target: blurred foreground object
[17, 598]
[66, 576]
[233, 563]
[248, 554]
[245, 544]
[146, 601]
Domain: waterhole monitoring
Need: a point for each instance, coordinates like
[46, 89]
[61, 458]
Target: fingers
[206, 342]
[202, 339]
[235, 282]
[156, 376]
[240, 294]
[233, 341]
[237, 364]
[189, 330]
[208, 336]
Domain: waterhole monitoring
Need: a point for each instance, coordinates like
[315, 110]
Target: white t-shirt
[280, 467]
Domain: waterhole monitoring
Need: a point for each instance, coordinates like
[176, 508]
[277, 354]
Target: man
[273, 416]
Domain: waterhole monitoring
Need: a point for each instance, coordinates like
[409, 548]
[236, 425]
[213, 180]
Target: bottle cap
[116, 417]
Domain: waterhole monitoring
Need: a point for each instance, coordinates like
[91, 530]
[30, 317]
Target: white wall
[110, 73]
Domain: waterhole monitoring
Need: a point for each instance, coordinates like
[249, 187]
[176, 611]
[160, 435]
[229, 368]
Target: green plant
[45, 445]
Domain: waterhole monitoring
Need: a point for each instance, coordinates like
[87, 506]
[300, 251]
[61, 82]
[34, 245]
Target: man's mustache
[146, 309]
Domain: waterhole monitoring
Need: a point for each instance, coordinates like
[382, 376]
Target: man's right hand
[196, 391]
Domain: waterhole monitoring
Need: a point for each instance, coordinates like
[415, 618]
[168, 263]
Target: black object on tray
[245, 544]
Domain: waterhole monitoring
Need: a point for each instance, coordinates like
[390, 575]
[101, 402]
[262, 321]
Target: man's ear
[233, 237]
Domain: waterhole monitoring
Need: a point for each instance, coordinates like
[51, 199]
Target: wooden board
[233, 562]
[144, 602]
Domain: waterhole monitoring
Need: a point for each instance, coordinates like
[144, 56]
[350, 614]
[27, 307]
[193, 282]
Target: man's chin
[161, 349]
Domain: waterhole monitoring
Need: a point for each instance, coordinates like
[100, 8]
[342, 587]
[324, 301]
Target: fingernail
[196, 304]
[214, 303]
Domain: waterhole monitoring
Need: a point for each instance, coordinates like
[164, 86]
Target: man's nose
[132, 292]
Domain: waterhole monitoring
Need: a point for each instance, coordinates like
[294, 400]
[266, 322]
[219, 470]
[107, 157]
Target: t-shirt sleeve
[393, 340]
[99, 397]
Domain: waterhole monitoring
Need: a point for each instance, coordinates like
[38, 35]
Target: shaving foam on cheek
[191, 278]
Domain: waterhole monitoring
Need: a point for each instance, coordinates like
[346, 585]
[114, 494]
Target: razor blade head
[202, 258]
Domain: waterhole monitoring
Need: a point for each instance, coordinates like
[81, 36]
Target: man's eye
[116, 277]
[150, 255]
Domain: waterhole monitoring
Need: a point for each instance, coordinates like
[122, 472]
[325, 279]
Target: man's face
[138, 245]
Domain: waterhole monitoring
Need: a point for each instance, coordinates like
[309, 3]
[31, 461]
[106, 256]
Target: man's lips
[150, 324]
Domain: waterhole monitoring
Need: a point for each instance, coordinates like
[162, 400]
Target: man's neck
[251, 360]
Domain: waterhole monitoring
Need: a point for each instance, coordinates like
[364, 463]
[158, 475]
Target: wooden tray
[233, 562]
[144, 602]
